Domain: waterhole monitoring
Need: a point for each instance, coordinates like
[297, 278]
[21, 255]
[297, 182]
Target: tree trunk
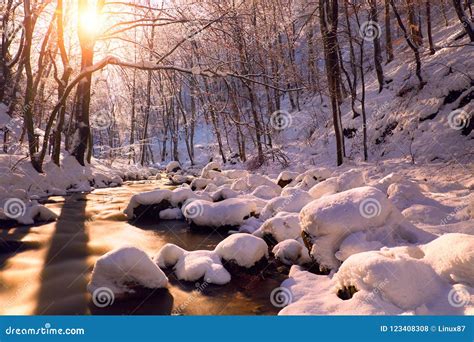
[388, 33]
[466, 23]
[428, 27]
[328, 16]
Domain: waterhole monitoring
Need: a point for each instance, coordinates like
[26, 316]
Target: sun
[89, 21]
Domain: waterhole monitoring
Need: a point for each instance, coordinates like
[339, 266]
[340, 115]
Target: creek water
[44, 269]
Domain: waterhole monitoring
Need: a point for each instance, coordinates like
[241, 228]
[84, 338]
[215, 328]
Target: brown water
[44, 269]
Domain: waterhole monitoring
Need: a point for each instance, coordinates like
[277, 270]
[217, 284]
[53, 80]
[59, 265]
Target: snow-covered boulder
[291, 203]
[285, 178]
[194, 265]
[171, 214]
[173, 166]
[19, 208]
[223, 193]
[120, 270]
[310, 177]
[199, 183]
[245, 250]
[329, 186]
[327, 221]
[149, 204]
[452, 257]
[250, 225]
[281, 227]
[431, 279]
[151, 201]
[226, 213]
[291, 252]
[235, 174]
[351, 179]
[212, 166]
[266, 191]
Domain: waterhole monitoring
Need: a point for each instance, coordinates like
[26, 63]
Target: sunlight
[89, 21]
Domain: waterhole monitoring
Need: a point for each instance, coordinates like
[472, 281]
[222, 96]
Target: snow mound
[291, 203]
[173, 166]
[194, 265]
[431, 279]
[328, 221]
[122, 269]
[266, 192]
[167, 198]
[286, 177]
[282, 227]
[171, 214]
[243, 249]
[23, 210]
[212, 166]
[229, 212]
[291, 252]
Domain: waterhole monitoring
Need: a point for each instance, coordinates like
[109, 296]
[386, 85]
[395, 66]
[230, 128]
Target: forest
[188, 152]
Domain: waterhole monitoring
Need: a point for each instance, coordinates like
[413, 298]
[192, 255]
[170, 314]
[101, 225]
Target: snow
[286, 176]
[291, 203]
[433, 278]
[243, 249]
[120, 269]
[291, 252]
[176, 198]
[281, 227]
[173, 166]
[207, 170]
[266, 192]
[194, 265]
[171, 214]
[331, 219]
[229, 212]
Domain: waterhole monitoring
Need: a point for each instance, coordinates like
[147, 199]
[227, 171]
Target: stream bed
[44, 269]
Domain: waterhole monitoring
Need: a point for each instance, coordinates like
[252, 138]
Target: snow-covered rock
[212, 166]
[431, 279]
[250, 225]
[243, 249]
[235, 174]
[173, 166]
[193, 265]
[171, 214]
[331, 219]
[24, 211]
[122, 269]
[199, 183]
[291, 252]
[329, 186]
[291, 203]
[229, 212]
[266, 191]
[162, 199]
[223, 193]
[281, 227]
[286, 177]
